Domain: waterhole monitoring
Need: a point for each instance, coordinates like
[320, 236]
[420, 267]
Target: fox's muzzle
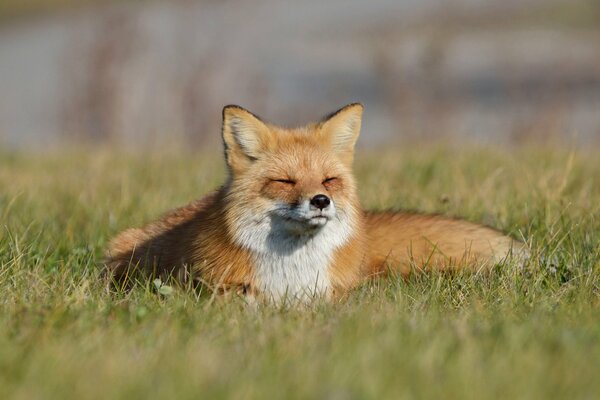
[320, 201]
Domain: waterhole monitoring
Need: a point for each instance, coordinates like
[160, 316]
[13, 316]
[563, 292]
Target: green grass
[514, 334]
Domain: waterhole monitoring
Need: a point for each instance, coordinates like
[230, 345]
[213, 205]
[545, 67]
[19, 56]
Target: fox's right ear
[244, 137]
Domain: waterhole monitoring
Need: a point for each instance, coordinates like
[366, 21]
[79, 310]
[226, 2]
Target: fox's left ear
[341, 129]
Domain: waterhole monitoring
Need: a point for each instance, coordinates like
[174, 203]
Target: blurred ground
[154, 72]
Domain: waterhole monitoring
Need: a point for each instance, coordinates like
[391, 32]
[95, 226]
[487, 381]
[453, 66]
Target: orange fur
[274, 170]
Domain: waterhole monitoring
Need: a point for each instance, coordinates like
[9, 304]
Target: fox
[287, 224]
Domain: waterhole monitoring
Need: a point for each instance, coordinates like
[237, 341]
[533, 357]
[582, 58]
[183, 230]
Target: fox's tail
[401, 242]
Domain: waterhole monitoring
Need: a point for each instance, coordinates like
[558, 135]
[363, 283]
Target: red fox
[287, 223]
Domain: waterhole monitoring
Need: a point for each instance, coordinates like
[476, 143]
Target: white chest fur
[288, 266]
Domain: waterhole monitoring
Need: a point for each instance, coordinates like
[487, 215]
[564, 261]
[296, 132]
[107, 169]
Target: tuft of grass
[510, 334]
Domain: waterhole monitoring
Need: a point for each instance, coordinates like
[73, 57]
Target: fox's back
[165, 244]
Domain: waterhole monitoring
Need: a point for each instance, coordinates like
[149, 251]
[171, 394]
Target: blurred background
[149, 73]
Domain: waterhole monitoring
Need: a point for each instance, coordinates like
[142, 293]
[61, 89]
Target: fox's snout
[307, 214]
[319, 205]
[320, 201]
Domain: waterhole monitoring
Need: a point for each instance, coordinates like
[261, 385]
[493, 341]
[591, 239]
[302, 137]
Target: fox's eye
[330, 183]
[285, 181]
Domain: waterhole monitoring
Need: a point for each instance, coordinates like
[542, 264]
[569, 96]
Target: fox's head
[290, 184]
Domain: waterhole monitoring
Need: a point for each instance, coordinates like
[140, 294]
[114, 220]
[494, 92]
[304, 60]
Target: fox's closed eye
[329, 180]
[286, 181]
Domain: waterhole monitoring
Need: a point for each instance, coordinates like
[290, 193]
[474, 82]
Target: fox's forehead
[294, 137]
[299, 152]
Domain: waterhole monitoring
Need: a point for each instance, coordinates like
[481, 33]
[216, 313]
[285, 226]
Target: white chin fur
[293, 248]
[318, 221]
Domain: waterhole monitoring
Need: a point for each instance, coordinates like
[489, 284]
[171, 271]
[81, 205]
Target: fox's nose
[320, 201]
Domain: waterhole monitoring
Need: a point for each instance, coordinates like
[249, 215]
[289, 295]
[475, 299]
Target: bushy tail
[402, 242]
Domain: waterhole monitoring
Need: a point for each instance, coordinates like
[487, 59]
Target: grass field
[531, 333]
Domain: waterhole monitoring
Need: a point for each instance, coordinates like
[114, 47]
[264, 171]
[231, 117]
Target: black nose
[320, 201]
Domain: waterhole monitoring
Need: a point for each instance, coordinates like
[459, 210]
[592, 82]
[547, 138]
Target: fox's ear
[341, 129]
[244, 136]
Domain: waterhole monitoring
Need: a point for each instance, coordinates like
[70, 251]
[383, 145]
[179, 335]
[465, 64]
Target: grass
[514, 334]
